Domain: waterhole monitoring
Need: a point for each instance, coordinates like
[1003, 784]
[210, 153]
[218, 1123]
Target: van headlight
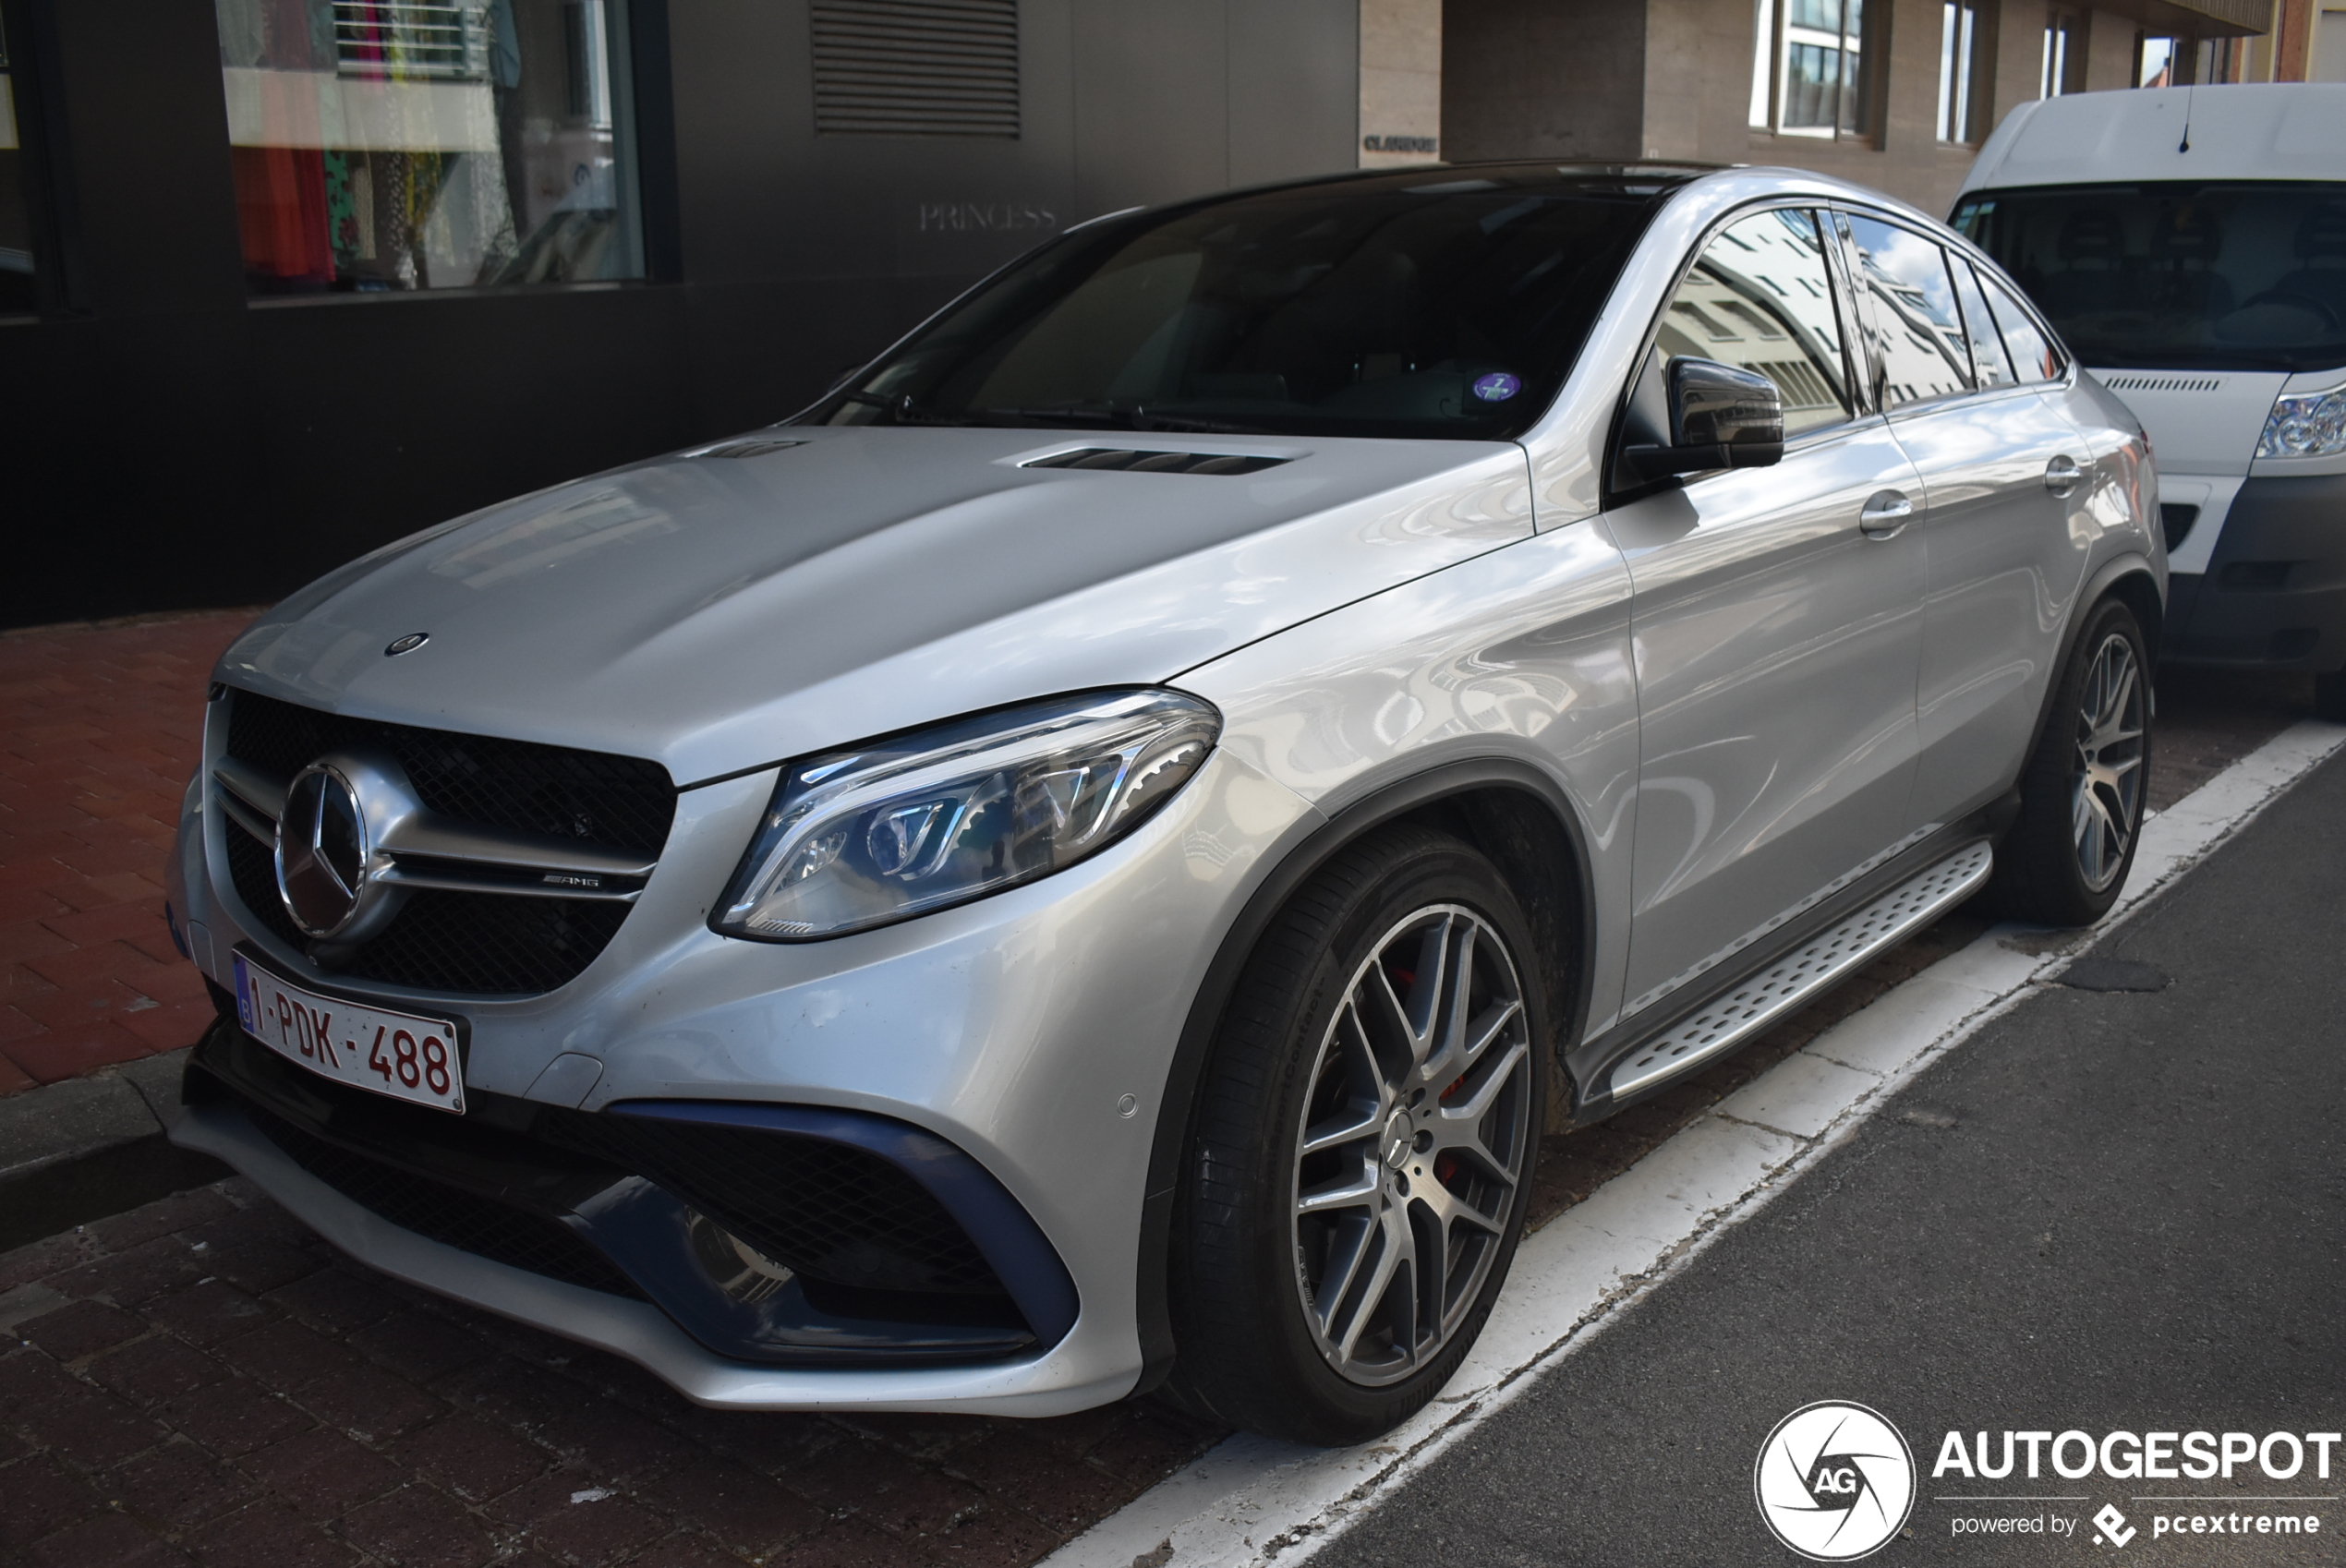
[2305, 425]
[862, 837]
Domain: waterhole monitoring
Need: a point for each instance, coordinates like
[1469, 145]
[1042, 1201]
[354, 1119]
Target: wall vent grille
[916, 67]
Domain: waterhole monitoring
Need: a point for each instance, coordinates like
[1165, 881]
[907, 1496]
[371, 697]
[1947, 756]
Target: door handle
[1885, 513]
[2061, 474]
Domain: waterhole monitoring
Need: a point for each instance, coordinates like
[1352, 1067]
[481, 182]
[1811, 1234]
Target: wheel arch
[2126, 577]
[1510, 810]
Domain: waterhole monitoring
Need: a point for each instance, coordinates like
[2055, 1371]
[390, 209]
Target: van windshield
[1434, 303]
[2247, 275]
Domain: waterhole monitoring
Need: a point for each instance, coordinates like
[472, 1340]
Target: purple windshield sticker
[1497, 387]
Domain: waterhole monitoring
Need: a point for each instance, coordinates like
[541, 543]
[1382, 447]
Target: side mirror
[1719, 418]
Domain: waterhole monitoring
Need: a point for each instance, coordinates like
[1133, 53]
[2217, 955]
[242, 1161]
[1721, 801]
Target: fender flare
[1347, 823]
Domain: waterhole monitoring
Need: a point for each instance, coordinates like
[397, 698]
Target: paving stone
[367, 1400]
[207, 1311]
[568, 1514]
[1067, 1497]
[991, 1537]
[126, 1279]
[81, 1329]
[419, 1345]
[337, 1299]
[151, 1370]
[322, 1473]
[750, 1512]
[847, 1544]
[107, 1541]
[284, 1355]
[615, 1442]
[419, 1527]
[684, 1550]
[97, 1429]
[233, 1418]
[267, 1535]
[177, 1485]
[471, 1457]
[39, 1496]
[164, 1216]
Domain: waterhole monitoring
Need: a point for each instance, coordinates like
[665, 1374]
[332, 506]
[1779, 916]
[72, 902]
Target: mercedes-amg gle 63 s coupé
[1087, 860]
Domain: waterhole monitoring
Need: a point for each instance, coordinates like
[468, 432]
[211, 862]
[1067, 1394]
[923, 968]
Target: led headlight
[2305, 425]
[899, 828]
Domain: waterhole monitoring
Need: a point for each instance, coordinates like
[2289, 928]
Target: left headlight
[2305, 425]
[859, 839]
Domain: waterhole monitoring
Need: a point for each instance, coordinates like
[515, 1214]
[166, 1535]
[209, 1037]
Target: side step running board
[1800, 974]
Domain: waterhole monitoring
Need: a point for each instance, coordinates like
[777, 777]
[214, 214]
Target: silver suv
[1092, 855]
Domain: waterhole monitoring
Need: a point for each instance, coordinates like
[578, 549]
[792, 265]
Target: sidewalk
[100, 727]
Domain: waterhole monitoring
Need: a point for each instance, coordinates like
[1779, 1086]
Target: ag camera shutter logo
[1834, 1481]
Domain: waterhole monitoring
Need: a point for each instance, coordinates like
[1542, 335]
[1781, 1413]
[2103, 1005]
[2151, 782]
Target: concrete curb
[84, 1148]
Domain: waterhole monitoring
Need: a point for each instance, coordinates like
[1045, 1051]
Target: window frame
[1967, 62]
[1956, 247]
[1611, 492]
[1872, 37]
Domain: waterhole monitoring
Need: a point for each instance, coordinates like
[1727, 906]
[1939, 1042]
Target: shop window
[393, 145]
[2064, 67]
[16, 215]
[1967, 71]
[1813, 65]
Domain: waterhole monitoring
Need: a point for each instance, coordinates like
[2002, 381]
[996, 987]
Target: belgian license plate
[400, 1054]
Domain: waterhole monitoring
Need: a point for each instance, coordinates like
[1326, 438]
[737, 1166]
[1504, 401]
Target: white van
[2190, 245]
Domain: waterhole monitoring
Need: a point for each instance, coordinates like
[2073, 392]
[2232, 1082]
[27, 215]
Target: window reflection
[412, 144]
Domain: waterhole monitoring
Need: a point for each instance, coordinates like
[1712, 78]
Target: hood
[719, 613]
[2199, 421]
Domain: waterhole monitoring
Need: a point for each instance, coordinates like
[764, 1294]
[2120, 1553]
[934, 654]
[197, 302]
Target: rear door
[1776, 640]
[2002, 475]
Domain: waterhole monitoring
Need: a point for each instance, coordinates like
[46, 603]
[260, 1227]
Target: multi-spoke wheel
[2083, 791]
[2111, 732]
[1365, 1139]
[1414, 1134]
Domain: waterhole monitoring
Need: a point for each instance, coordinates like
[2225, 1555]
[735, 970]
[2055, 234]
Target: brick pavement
[100, 727]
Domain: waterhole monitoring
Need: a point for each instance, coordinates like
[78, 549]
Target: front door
[1776, 624]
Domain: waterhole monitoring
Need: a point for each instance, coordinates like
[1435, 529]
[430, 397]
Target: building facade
[282, 279]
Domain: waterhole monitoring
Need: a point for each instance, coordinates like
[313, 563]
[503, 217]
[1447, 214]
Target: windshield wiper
[902, 410]
[1137, 416]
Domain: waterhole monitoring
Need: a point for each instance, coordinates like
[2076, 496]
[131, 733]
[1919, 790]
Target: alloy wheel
[2106, 805]
[1415, 1137]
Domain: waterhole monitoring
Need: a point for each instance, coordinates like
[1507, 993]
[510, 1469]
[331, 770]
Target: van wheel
[2081, 795]
[1364, 1144]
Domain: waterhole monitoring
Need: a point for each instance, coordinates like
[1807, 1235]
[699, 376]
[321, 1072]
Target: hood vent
[2164, 383]
[1158, 462]
[742, 449]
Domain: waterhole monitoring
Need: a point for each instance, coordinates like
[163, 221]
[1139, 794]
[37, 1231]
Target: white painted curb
[1249, 1501]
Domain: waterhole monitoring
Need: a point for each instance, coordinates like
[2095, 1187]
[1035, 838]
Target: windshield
[2221, 276]
[1409, 304]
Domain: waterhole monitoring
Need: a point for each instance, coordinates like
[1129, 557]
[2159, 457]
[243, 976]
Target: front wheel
[2083, 793]
[1364, 1145]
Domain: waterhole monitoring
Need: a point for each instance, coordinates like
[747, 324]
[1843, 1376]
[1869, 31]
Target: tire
[2083, 791]
[2329, 696]
[1429, 1143]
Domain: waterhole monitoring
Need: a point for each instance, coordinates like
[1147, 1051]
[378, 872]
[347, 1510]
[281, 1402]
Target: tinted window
[1406, 304]
[2221, 276]
[1910, 313]
[1760, 298]
[1988, 362]
[2034, 358]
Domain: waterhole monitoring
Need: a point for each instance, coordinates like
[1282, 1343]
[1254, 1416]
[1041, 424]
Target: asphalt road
[2106, 1212]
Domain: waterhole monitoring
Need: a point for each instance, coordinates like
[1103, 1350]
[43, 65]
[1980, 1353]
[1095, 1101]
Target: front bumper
[1032, 1031]
[2274, 594]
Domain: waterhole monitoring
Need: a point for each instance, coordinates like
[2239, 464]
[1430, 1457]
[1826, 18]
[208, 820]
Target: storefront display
[388, 145]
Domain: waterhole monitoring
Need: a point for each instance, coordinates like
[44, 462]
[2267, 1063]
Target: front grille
[462, 942]
[625, 803]
[830, 1211]
[447, 1215]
